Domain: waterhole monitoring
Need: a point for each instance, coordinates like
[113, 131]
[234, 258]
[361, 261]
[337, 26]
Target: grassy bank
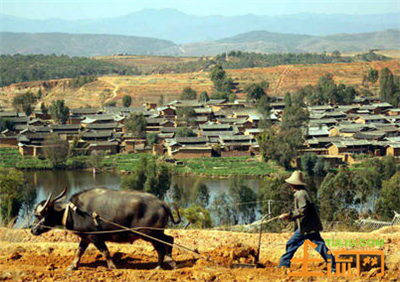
[226, 166]
[217, 167]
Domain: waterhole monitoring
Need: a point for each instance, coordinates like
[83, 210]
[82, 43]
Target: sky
[91, 9]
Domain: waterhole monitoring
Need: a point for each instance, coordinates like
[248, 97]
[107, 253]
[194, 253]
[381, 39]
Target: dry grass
[150, 88]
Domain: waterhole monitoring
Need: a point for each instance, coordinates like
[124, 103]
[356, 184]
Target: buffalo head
[49, 213]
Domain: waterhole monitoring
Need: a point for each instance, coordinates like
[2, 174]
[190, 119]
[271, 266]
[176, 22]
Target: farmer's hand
[284, 216]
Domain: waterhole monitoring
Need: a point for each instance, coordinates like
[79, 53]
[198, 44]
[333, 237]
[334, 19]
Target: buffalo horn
[42, 208]
[63, 193]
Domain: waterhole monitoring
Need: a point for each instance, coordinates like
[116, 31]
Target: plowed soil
[24, 257]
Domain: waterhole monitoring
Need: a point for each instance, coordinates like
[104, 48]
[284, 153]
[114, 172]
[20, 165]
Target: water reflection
[76, 181]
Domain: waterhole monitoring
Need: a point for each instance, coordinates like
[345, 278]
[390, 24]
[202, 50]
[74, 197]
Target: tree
[280, 145]
[24, 103]
[136, 124]
[201, 194]
[338, 196]
[222, 209]
[198, 216]
[126, 101]
[95, 159]
[222, 83]
[29, 195]
[149, 176]
[187, 114]
[56, 150]
[184, 132]
[255, 91]
[240, 194]
[11, 199]
[219, 95]
[295, 114]
[43, 108]
[389, 200]
[232, 97]
[39, 94]
[389, 91]
[59, 111]
[372, 75]
[264, 107]
[217, 74]
[152, 138]
[204, 97]
[276, 197]
[6, 123]
[188, 94]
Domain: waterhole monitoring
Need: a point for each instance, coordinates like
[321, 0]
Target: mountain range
[254, 41]
[179, 27]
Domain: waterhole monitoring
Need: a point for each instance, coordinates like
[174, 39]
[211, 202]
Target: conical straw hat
[296, 178]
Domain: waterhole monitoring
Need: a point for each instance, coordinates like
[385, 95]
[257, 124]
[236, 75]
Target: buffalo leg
[79, 253]
[168, 250]
[164, 251]
[160, 249]
[101, 246]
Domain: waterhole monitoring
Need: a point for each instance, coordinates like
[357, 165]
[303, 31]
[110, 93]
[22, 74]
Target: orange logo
[348, 263]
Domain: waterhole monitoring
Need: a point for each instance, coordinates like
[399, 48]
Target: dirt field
[24, 257]
[151, 87]
[146, 63]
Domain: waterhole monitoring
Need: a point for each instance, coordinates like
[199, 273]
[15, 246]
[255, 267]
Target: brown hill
[151, 87]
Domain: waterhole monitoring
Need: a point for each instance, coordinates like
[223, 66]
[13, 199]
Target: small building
[393, 149]
[350, 147]
[368, 119]
[190, 152]
[110, 147]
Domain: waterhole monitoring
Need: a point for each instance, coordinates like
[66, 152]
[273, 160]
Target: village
[339, 133]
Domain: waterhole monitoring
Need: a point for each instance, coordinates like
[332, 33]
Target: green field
[218, 167]
[226, 166]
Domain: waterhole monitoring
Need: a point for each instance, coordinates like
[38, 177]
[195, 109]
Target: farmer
[307, 223]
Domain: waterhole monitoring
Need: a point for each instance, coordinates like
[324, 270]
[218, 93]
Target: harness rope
[97, 217]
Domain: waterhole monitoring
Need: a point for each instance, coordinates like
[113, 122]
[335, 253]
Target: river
[79, 180]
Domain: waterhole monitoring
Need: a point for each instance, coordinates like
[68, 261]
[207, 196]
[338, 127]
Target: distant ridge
[81, 44]
[179, 27]
[270, 42]
[254, 41]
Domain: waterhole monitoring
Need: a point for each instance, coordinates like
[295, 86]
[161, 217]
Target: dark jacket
[305, 214]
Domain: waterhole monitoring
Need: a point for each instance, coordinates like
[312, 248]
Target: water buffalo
[127, 208]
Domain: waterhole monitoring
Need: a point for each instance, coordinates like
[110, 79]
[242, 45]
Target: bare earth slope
[45, 258]
[149, 88]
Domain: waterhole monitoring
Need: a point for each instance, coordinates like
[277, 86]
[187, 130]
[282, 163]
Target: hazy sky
[79, 9]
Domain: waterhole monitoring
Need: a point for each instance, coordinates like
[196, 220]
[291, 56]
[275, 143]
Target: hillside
[270, 42]
[152, 87]
[179, 27]
[81, 44]
[255, 41]
[24, 257]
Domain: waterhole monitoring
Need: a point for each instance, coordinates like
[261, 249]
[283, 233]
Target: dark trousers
[297, 240]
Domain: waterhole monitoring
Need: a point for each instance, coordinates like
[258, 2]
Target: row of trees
[21, 68]
[343, 195]
[326, 91]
